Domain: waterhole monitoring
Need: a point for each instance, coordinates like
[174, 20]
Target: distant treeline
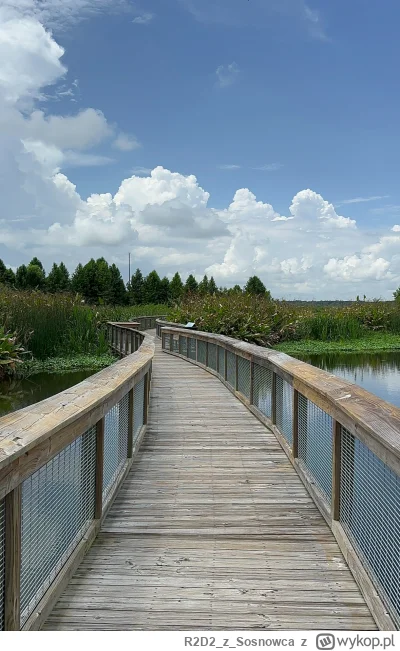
[102, 284]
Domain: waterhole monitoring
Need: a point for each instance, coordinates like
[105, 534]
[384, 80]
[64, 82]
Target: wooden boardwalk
[212, 529]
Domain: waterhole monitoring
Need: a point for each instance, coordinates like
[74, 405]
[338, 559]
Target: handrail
[161, 323]
[343, 441]
[62, 461]
[147, 322]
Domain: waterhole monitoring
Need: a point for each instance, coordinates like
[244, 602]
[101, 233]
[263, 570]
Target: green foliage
[396, 295]
[10, 353]
[255, 286]
[135, 289]
[58, 279]
[191, 285]
[152, 288]
[99, 283]
[212, 287]
[176, 288]
[7, 276]
[203, 286]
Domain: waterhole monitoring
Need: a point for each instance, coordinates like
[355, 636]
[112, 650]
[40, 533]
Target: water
[16, 394]
[378, 373]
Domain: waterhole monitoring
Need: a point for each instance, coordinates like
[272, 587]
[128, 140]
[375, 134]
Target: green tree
[255, 286]
[191, 285]
[152, 288]
[64, 279]
[396, 295]
[53, 279]
[77, 280]
[117, 294]
[212, 286]
[164, 290]
[20, 277]
[176, 287]
[7, 276]
[135, 288]
[35, 277]
[36, 263]
[203, 286]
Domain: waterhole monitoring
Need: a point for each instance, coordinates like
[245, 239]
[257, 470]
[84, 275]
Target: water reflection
[378, 373]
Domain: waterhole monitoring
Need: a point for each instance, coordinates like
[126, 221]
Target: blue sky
[272, 97]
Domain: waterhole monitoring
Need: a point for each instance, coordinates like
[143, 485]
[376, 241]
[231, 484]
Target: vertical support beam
[217, 361]
[226, 365]
[99, 468]
[171, 342]
[130, 423]
[206, 354]
[273, 398]
[132, 341]
[295, 447]
[13, 523]
[251, 398]
[336, 469]
[236, 372]
[146, 399]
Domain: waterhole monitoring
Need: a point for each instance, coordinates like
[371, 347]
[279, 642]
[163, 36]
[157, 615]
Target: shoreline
[371, 343]
[64, 365]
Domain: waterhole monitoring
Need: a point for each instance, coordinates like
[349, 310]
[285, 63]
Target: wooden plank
[12, 577]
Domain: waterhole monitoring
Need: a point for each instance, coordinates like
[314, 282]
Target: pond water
[17, 394]
[378, 373]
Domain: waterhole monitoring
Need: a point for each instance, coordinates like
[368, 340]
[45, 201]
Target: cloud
[143, 19]
[269, 167]
[227, 74]
[361, 200]
[229, 167]
[126, 142]
[141, 171]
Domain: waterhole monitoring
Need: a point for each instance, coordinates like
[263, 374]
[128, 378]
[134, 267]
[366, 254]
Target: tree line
[101, 283]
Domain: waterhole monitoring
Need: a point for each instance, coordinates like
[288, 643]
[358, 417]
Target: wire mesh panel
[175, 344]
[315, 443]
[191, 348]
[262, 390]
[231, 368]
[138, 407]
[115, 443]
[201, 351]
[2, 562]
[370, 515]
[244, 376]
[221, 361]
[166, 339]
[182, 345]
[284, 408]
[58, 503]
[212, 356]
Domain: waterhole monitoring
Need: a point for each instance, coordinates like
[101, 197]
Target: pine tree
[117, 294]
[152, 288]
[176, 287]
[204, 286]
[255, 286]
[64, 279]
[164, 290]
[191, 285]
[135, 288]
[20, 277]
[35, 277]
[212, 286]
[77, 280]
[36, 262]
[53, 279]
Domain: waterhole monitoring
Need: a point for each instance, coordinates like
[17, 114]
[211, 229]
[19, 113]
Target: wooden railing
[343, 441]
[147, 322]
[62, 462]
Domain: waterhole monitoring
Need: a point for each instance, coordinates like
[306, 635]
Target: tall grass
[60, 325]
[270, 322]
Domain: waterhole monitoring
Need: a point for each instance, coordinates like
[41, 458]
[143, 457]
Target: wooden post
[171, 342]
[226, 366]
[130, 423]
[146, 399]
[132, 342]
[295, 446]
[251, 397]
[273, 398]
[99, 468]
[217, 362]
[336, 469]
[236, 372]
[13, 523]
[206, 354]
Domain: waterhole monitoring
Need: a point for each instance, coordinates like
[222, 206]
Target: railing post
[126, 341]
[273, 398]
[226, 365]
[295, 445]
[336, 469]
[146, 399]
[13, 523]
[132, 342]
[251, 397]
[99, 468]
[130, 423]
[236, 372]
[171, 342]
[206, 354]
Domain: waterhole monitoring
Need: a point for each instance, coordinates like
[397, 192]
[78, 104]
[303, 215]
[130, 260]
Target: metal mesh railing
[166, 341]
[175, 344]
[2, 562]
[138, 407]
[183, 345]
[262, 390]
[231, 369]
[315, 440]
[191, 343]
[58, 503]
[212, 356]
[243, 379]
[284, 408]
[116, 424]
[221, 361]
[201, 351]
[370, 515]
